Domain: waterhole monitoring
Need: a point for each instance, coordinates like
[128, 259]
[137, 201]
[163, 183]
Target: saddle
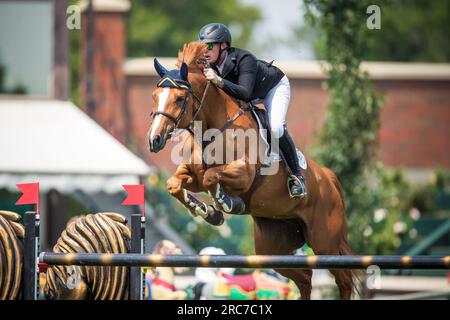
[262, 118]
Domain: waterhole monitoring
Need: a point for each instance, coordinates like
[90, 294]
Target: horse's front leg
[225, 183]
[182, 185]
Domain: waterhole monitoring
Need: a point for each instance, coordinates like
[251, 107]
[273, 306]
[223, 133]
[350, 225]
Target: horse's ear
[159, 68]
[184, 71]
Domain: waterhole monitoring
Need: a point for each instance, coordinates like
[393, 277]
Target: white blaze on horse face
[162, 100]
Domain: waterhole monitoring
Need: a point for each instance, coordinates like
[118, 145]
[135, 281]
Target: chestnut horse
[281, 223]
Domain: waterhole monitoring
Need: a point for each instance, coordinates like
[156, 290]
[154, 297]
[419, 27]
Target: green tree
[411, 30]
[161, 27]
[381, 205]
[349, 137]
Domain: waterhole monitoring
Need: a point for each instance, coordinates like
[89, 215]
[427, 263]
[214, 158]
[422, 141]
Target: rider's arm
[247, 75]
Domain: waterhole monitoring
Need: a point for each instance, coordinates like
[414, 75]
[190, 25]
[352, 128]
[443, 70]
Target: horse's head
[172, 105]
[174, 95]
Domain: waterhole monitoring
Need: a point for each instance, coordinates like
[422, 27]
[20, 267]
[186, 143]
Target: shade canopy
[57, 144]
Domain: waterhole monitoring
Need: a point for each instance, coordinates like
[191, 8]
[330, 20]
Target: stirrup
[292, 179]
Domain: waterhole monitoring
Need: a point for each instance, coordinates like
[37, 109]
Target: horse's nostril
[155, 144]
[157, 140]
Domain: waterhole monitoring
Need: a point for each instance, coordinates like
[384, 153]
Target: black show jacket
[246, 78]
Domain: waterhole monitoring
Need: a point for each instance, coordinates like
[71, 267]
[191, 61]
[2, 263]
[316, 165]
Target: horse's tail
[356, 276]
[344, 248]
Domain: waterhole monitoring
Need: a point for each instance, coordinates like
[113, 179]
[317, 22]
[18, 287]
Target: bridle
[169, 82]
[181, 84]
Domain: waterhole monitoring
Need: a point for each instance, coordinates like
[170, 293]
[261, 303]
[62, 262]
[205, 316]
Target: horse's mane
[192, 55]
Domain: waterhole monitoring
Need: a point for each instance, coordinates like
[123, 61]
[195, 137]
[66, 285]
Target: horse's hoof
[214, 217]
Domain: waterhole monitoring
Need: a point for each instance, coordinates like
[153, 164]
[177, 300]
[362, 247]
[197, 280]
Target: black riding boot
[296, 183]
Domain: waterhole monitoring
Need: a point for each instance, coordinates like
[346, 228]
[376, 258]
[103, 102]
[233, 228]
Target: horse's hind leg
[302, 279]
[344, 281]
[283, 237]
[331, 239]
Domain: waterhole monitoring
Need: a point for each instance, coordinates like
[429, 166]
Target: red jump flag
[30, 194]
[135, 196]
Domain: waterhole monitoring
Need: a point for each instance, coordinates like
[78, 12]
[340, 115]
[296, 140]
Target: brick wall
[108, 74]
[415, 130]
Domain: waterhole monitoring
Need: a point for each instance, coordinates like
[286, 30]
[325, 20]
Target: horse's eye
[179, 99]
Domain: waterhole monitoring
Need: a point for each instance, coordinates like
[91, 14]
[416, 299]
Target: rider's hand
[212, 76]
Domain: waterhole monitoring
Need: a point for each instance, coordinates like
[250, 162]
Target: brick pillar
[61, 69]
[102, 85]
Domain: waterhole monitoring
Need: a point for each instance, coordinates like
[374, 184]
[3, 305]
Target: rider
[242, 76]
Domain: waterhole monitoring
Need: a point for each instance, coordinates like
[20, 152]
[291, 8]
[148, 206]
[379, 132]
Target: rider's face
[212, 52]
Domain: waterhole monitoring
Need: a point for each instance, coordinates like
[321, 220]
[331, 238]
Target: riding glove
[212, 76]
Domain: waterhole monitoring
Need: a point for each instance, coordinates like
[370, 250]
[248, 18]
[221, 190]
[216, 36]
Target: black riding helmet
[215, 32]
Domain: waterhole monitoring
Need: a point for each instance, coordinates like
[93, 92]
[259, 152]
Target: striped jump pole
[224, 261]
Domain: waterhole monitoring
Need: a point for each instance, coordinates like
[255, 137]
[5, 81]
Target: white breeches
[277, 104]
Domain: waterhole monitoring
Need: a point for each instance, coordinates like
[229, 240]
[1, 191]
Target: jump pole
[224, 261]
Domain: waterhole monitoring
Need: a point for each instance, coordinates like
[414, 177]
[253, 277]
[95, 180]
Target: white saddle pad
[275, 157]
